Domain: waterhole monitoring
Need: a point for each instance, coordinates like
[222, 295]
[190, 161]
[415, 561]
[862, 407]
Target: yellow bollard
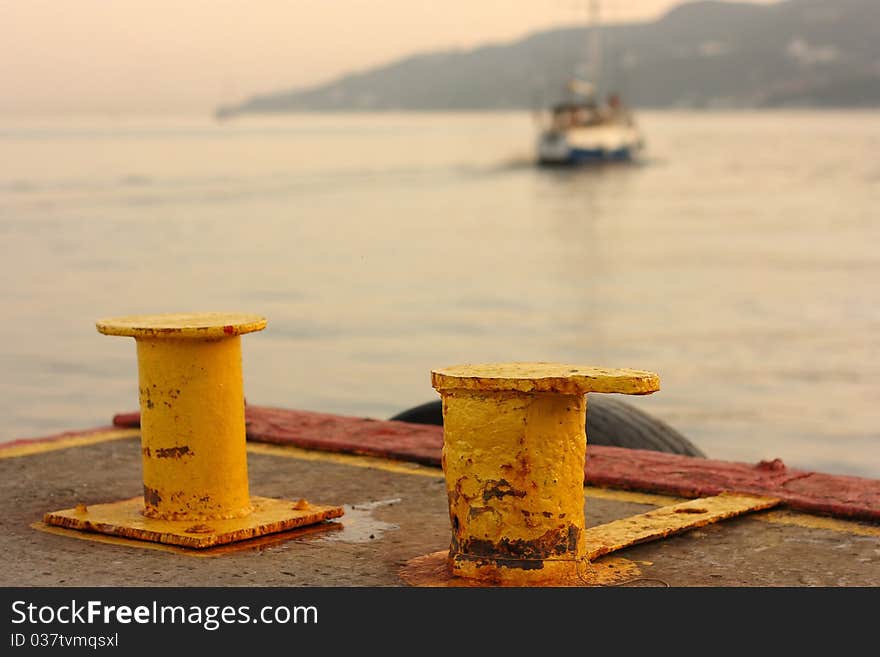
[192, 426]
[513, 456]
[192, 439]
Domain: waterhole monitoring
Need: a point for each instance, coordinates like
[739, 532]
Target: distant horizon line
[257, 116]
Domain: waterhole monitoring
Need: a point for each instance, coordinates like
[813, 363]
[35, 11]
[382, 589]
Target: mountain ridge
[699, 54]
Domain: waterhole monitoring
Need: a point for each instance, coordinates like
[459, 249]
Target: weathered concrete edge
[613, 467]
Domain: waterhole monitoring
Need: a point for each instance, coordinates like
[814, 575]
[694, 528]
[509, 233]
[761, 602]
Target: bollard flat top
[182, 325]
[545, 377]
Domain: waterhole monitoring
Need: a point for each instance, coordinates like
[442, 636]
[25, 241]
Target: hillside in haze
[700, 54]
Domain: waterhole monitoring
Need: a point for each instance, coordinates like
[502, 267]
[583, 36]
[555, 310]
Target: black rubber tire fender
[610, 422]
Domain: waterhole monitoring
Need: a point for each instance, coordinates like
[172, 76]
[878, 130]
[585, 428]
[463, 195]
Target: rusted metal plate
[669, 520]
[126, 519]
[612, 467]
[259, 544]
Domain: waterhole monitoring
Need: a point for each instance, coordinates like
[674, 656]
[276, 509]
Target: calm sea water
[739, 261]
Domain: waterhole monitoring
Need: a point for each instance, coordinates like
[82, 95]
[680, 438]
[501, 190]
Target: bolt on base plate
[126, 519]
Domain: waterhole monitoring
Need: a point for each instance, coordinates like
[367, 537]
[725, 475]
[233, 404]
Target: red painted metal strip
[613, 467]
[127, 420]
[642, 470]
[335, 433]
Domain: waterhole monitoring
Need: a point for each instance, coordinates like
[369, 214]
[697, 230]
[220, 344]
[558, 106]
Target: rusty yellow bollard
[192, 439]
[192, 413]
[513, 458]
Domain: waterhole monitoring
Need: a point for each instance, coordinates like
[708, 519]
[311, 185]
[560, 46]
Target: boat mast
[595, 47]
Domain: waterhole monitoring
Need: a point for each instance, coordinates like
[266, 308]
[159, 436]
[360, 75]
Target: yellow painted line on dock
[808, 521]
[653, 499]
[66, 442]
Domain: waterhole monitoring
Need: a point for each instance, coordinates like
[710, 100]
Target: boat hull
[581, 157]
[589, 146]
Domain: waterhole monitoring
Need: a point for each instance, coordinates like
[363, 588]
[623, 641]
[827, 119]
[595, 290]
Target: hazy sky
[191, 55]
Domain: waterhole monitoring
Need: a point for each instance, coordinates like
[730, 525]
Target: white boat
[580, 129]
[581, 132]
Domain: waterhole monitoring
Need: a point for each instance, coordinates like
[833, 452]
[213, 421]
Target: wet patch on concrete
[359, 525]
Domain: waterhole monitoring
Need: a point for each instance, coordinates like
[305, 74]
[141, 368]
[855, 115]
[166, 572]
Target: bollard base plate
[126, 519]
[434, 570]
